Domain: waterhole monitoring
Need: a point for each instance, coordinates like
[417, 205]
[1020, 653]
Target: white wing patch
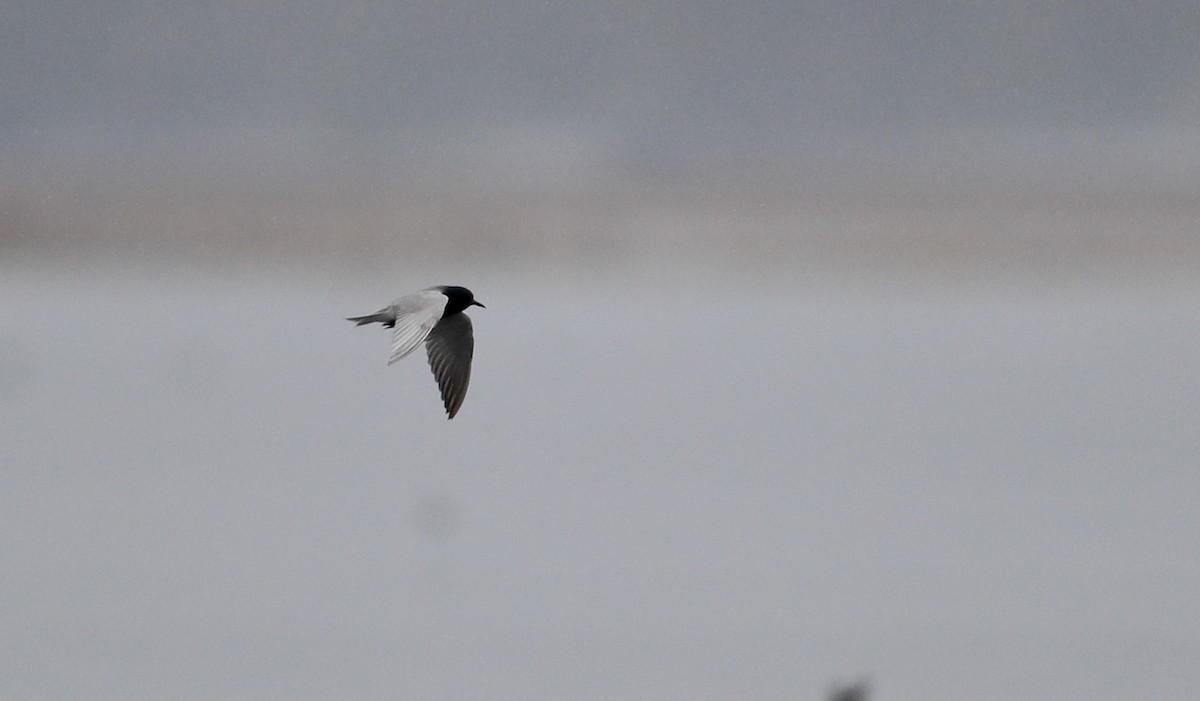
[416, 315]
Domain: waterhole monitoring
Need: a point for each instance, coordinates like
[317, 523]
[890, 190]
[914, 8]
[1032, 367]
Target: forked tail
[383, 317]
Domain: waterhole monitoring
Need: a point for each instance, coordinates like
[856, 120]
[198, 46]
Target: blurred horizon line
[996, 229]
[556, 157]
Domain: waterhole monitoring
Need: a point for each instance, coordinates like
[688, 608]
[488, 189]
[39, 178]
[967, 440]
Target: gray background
[824, 342]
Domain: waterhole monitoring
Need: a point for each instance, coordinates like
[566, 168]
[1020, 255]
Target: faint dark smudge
[856, 691]
[437, 517]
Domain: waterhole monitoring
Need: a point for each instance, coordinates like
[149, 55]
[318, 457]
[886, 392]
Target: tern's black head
[459, 298]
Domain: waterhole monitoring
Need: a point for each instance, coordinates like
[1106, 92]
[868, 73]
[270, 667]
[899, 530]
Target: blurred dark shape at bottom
[855, 691]
[437, 517]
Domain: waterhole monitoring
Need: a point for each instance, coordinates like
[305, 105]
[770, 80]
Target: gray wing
[416, 315]
[450, 347]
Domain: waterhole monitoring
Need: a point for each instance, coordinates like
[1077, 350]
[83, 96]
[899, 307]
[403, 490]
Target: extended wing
[416, 315]
[450, 347]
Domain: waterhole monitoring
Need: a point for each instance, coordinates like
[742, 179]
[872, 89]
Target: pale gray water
[701, 487]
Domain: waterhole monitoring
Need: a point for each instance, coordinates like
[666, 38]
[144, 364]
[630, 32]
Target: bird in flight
[433, 316]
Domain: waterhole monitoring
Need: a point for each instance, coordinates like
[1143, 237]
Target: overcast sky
[634, 87]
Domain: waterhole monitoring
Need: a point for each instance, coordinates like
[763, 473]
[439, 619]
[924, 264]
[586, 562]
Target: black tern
[433, 316]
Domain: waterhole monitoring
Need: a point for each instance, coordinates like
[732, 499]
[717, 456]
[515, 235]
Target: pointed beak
[477, 304]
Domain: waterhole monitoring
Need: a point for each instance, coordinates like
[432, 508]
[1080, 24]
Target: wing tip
[453, 403]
